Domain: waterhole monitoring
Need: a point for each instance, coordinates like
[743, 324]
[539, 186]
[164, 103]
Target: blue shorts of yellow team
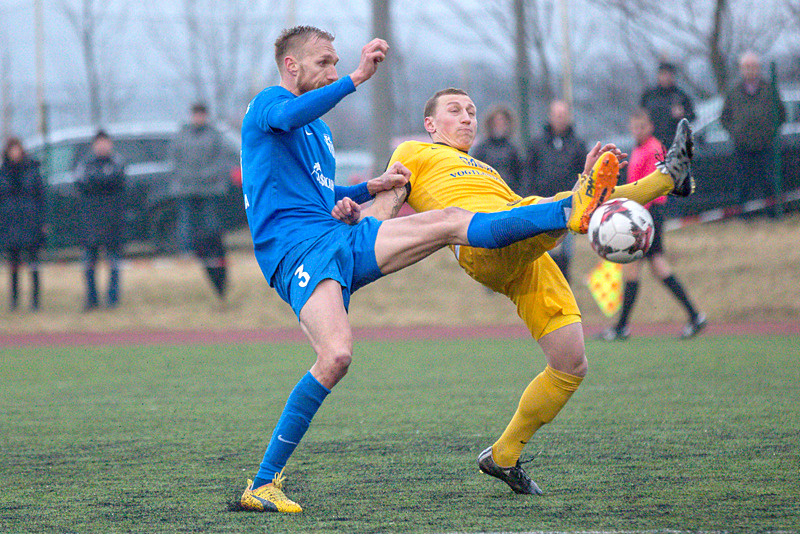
[345, 254]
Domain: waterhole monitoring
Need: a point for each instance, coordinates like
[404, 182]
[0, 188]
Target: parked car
[714, 156]
[713, 160]
[150, 213]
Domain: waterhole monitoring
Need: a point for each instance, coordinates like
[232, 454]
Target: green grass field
[662, 436]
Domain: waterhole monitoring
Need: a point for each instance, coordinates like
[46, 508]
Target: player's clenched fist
[347, 210]
[373, 53]
[395, 176]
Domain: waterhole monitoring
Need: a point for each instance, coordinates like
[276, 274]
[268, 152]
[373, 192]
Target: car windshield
[63, 157]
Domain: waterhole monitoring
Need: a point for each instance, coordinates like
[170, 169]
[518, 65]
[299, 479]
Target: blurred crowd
[553, 159]
[200, 177]
[549, 163]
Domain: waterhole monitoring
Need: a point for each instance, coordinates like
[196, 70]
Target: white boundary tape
[728, 212]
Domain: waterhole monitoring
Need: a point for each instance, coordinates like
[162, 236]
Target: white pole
[39, 36]
[566, 55]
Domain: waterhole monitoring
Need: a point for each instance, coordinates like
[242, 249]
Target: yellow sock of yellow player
[652, 186]
[561, 195]
[542, 400]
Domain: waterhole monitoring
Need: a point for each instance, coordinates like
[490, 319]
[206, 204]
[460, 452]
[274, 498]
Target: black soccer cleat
[678, 161]
[515, 477]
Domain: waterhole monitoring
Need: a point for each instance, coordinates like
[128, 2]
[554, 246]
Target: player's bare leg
[558, 330]
[540, 403]
[324, 321]
[406, 240]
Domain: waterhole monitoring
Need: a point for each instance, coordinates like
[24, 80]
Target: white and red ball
[621, 230]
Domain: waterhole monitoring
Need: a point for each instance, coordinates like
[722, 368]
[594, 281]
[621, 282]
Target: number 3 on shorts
[303, 276]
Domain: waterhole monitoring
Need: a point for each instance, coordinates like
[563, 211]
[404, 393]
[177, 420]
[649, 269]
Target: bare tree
[86, 21]
[715, 33]
[6, 86]
[793, 10]
[518, 29]
[194, 37]
[221, 43]
[382, 102]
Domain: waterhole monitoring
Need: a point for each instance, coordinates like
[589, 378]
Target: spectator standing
[752, 114]
[199, 181]
[643, 162]
[101, 184]
[498, 150]
[21, 216]
[666, 104]
[554, 161]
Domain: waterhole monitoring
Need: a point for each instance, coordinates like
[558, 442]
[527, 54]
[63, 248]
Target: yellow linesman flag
[605, 285]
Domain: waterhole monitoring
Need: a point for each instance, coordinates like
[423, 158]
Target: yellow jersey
[443, 176]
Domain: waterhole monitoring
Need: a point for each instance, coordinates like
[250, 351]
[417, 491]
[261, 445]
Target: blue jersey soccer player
[313, 260]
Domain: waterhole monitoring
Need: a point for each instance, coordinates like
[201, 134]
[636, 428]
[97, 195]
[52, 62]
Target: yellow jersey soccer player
[443, 174]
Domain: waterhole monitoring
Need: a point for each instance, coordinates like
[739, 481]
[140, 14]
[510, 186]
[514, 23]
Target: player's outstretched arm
[373, 53]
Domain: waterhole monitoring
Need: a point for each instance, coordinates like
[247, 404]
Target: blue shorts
[345, 254]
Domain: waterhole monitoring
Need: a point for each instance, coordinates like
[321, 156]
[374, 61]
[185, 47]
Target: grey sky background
[143, 55]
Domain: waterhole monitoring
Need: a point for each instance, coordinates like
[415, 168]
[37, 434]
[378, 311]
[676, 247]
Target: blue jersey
[288, 170]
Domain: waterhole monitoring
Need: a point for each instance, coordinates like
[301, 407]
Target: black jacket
[658, 102]
[22, 206]
[101, 183]
[503, 156]
[554, 163]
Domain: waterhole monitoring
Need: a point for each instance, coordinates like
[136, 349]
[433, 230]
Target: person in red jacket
[642, 162]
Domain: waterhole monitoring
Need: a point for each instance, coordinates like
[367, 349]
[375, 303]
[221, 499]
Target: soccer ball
[621, 230]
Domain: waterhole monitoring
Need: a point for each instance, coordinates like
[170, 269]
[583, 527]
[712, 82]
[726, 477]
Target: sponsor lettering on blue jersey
[289, 169]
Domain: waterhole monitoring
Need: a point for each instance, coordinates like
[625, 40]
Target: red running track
[293, 335]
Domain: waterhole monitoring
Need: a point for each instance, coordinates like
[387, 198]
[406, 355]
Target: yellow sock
[561, 195]
[652, 186]
[542, 400]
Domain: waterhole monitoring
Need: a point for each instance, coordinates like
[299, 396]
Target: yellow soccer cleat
[593, 189]
[269, 497]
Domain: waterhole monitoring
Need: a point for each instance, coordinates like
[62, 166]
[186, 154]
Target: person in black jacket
[666, 104]
[497, 149]
[752, 114]
[101, 183]
[21, 215]
[554, 162]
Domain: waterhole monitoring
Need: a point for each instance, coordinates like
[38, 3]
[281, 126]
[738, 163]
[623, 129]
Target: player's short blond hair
[430, 105]
[291, 39]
